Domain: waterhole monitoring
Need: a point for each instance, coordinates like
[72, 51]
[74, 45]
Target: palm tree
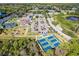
[77, 28]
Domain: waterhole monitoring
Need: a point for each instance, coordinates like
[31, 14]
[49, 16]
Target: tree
[72, 47]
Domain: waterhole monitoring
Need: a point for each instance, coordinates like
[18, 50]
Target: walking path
[59, 32]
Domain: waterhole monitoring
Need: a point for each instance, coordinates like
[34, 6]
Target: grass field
[67, 25]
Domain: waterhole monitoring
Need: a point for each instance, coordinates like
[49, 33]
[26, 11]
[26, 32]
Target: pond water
[73, 18]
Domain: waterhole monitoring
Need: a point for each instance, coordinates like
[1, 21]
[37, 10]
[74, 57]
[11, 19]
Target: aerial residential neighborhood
[39, 29]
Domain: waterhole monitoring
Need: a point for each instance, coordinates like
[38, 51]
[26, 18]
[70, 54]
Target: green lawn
[50, 52]
[67, 25]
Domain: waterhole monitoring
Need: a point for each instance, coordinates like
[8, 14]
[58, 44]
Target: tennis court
[48, 42]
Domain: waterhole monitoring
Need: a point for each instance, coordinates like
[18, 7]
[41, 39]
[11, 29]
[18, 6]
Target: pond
[73, 18]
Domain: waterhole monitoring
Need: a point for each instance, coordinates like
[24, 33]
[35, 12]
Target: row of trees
[18, 9]
[26, 7]
[15, 47]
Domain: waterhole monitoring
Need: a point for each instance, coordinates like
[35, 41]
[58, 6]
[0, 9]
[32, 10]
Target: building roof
[6, 18]
[9, 25]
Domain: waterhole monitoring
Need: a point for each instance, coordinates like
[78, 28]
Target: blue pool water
[73, 18]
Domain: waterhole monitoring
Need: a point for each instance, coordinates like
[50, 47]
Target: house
[63, 11]
[51, 12]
